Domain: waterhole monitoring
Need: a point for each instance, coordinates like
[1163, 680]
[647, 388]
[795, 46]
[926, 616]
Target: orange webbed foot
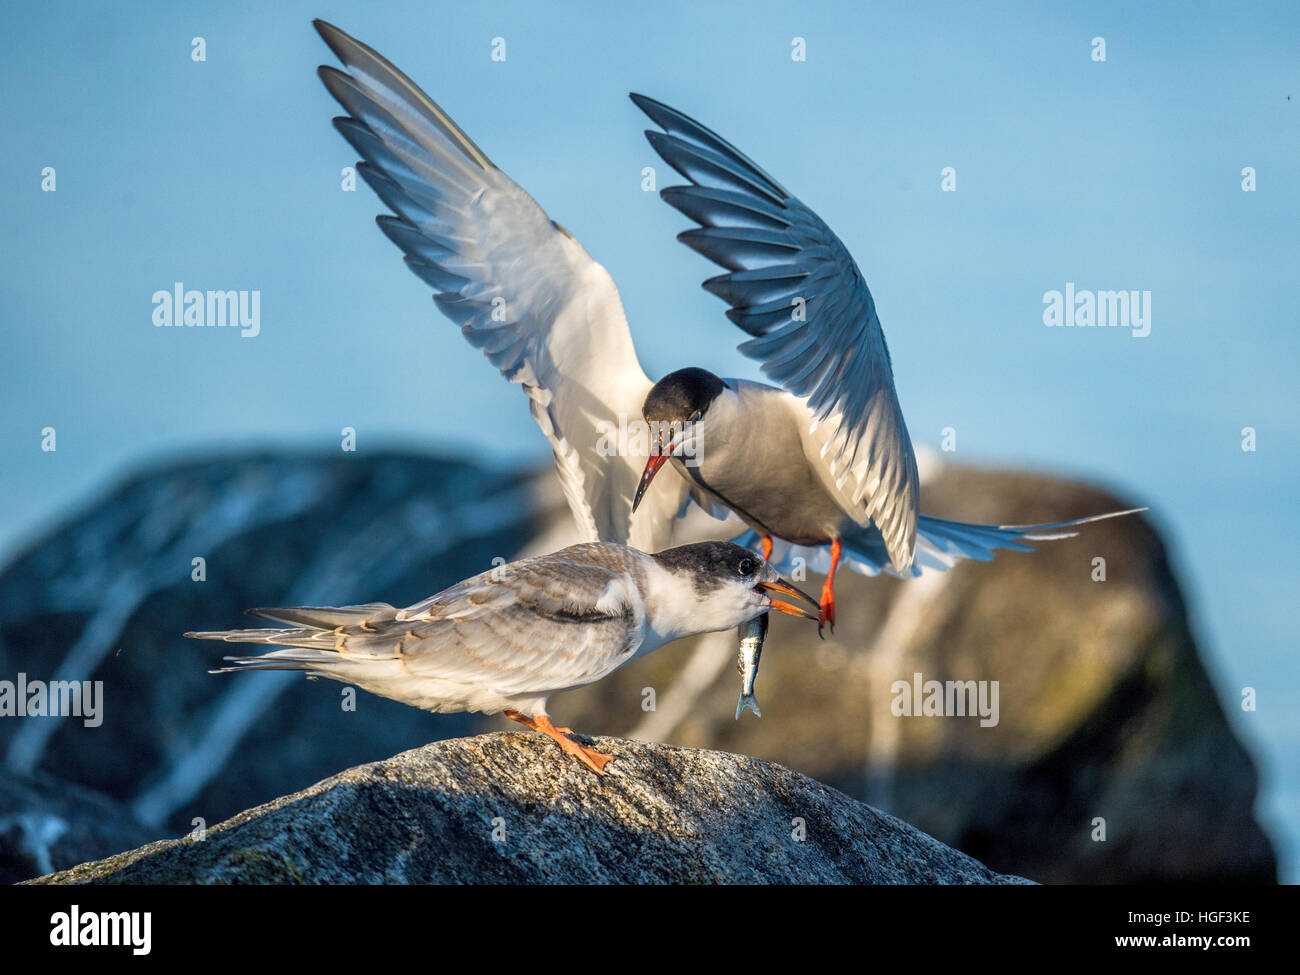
[594, 760]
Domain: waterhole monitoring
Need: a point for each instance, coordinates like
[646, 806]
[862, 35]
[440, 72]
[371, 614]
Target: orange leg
[523, 719]
[767, 547]
[827, 613]
[593, 759]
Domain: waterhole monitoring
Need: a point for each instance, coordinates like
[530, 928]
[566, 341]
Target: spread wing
[793, 286]
[540, 624]
[521, 288]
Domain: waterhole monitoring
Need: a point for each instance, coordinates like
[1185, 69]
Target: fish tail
[747, 701]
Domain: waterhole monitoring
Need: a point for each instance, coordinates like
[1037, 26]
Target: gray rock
[46, 825]
[1106, 707]
[661, 815]
[107, 594]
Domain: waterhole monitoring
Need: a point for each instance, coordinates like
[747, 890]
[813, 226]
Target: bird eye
[746, 567]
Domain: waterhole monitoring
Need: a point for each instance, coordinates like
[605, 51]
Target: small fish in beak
[752, 635]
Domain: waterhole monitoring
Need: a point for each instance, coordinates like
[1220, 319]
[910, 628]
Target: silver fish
[752, 635]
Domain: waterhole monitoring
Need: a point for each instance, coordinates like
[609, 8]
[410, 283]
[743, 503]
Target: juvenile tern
[509, 638]
[825, 463]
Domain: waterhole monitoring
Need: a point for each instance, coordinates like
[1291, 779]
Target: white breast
[752, 454]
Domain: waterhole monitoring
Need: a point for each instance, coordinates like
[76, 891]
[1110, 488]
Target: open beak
[652, 466]
[785, 589]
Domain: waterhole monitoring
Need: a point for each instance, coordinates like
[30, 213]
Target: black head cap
[713, 563]
[681, 395]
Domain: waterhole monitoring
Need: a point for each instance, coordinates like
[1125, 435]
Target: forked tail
[940, 544]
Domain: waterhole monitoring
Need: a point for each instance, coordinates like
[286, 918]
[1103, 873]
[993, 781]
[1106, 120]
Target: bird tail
[312, 646]
[940, 544]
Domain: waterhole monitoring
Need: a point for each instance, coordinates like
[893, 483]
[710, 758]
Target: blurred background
[1120, 700]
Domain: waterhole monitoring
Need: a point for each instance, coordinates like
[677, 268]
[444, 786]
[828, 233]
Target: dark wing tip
[331, 35]
[669, 148]
[657, 138]
[657, 110]
[645, 102]
[661, 114]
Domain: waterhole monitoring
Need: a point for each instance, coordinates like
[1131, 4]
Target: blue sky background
[1125, 174]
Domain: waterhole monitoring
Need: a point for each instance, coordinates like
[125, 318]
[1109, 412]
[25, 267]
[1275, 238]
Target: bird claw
[594, 760]
[827, 615]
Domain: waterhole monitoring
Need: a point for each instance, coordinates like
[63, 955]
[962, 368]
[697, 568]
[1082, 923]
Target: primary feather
[794, 286]
[520, 287]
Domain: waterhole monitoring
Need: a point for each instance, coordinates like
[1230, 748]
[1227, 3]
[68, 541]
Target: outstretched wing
[793, 286]
[521, 287]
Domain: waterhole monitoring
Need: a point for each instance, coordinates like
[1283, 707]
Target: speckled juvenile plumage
[510, 637]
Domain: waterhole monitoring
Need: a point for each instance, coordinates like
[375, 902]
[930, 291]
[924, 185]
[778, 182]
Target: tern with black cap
[509, 638]
[823, 464]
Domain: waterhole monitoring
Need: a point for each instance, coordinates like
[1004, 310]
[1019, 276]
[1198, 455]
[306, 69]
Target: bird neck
[673, 605]
[679, 605]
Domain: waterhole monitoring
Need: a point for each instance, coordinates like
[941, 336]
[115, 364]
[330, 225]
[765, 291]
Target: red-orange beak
[785, 589]
[652, 466]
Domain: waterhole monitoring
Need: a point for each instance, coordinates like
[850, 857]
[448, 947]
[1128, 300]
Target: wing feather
[534, 626]
[795, 288]
[521, 288]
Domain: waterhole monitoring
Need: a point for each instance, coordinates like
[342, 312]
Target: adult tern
[825, 463]
[835, 463]
[509, 638]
